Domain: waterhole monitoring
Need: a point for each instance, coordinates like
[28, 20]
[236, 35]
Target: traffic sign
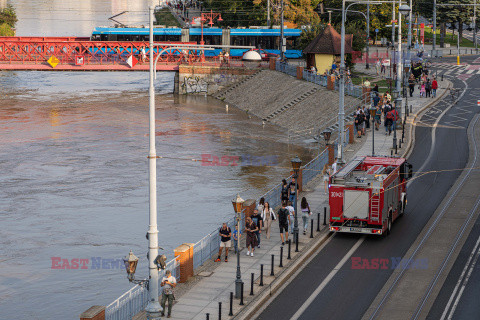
[53, 61]
[132, 61]
[79, 61]
[478, 102]
[376, 30]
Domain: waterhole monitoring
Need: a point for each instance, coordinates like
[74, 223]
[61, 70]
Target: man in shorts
[225, 241]
[283, 215]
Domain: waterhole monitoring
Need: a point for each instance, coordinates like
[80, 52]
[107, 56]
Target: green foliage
[237, 13]
[165, 17]
[6, 30]
[8, 16]
[308, 34]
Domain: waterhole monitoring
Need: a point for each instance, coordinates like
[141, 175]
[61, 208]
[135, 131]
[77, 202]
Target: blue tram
[261, 38]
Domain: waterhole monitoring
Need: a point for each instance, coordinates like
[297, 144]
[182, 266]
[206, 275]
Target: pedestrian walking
[251, 241]
[143, 54]
[359, 124]
[411, 84]
[327, 172]
[268, 216]
[378, 117]
[434, 87]
[422, 89]
[168, 283]
[376, 99]
[388, 123]
[306, 213]
[428, 88]
[236, 234]
[225, 241]
[378, 65]
[366, 122]
[283, 215]
[292, 191]
[257, 219]
[284, 192]
[335, 166]
[261, 205]
[291, 218]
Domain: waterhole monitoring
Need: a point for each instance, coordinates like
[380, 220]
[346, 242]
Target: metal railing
[135, 300]
[314, 167]
[286, 68]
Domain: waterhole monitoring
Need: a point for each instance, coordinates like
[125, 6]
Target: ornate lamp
[327, 134]
[130, 262]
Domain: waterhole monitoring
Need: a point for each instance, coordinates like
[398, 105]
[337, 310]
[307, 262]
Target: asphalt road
[351, 291]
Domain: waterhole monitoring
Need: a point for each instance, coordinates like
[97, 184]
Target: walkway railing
[350, 88]
[135, 300]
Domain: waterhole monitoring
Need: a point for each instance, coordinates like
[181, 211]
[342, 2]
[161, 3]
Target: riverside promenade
[217, 281]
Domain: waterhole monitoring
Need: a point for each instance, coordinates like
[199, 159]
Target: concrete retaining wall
[208, 79]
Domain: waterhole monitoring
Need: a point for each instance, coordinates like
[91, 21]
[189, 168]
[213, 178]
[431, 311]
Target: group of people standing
[264, 217]
[427, 87]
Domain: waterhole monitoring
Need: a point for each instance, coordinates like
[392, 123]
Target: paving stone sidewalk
[215, 287]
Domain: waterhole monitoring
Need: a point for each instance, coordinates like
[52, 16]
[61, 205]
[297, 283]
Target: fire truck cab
[368, 194]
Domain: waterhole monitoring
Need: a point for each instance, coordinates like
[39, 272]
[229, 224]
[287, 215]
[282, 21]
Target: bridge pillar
[176, 81]
[185, 35]
[226, 39]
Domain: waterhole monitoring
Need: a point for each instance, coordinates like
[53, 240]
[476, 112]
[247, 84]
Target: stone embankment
[285, 101]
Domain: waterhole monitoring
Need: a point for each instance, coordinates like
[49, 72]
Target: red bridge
[81, 54]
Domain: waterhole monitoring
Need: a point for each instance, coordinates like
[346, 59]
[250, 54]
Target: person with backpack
[283, 217]
[389, 123]
[411, 84]
[257, 219]
[378, 117]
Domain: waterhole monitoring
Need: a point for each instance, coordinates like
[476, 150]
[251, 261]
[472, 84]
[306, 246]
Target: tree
[308, 34]
[8, 18]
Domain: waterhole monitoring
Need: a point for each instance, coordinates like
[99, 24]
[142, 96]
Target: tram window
[96, 37]
[291, 43]
[213, 40]
[112, 37]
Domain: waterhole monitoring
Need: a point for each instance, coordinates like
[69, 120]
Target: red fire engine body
[368, 194]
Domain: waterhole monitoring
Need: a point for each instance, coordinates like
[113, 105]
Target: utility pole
[153, 307]
[268, 13]
[282, 39]
[341, 91]
[410, 28]
[434, 26]
[367, 66]
[475, 24]
[393, 25]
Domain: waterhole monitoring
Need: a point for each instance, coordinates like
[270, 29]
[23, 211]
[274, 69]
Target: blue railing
[322, 80]
[135, 300]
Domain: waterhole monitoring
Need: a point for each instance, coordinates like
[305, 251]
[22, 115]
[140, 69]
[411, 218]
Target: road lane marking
[460, 280]
[324, 283]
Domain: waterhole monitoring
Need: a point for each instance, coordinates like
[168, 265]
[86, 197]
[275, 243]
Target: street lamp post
[153, 307]
[367, 65]
[341, 91]
[282, 38]
[402, 10]
[373, 110]
[296, 163]
[237, 206]
[434, 25]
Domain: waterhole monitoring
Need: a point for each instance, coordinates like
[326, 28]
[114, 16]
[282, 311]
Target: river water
[74, 170]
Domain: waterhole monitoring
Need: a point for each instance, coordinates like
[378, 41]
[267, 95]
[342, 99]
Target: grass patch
[359, 78]
[165, 17]
[448, 39]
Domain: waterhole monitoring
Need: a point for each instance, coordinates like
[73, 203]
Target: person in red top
[434, 87]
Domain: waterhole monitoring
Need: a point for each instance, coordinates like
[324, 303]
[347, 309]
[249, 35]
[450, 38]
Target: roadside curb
[411, 141]
[253, 307]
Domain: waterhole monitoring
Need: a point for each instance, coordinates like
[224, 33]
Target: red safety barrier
[38, 50]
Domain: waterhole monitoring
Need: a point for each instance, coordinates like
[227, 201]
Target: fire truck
[368, 194]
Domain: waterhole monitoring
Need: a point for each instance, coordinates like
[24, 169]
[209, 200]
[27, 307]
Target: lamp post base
[153, 310]
[238, 288]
